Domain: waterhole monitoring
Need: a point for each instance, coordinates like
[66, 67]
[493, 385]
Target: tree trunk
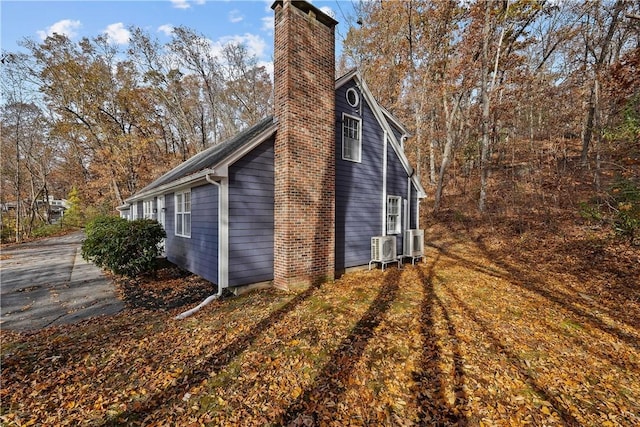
[598, 65]
[432, 151]
[448, 147]
[484, 95]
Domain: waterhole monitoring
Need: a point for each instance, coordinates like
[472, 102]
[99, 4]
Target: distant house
[56, 207]
[297, 197]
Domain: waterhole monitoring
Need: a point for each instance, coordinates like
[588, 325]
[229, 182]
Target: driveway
[47, 283]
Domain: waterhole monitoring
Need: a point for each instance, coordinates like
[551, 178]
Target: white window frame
[353, 91]
[394, 211]
[147, 209]
[357, 155]
[182, 212]
[134, 211]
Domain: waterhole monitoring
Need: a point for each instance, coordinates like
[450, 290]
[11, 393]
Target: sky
[246, 21]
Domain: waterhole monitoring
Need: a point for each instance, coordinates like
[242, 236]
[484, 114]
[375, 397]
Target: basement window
[351, 138]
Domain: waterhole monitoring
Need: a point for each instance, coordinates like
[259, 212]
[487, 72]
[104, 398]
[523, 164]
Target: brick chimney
[304, 78]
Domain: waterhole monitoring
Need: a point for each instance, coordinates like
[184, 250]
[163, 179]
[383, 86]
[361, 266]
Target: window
[351, 138]
[134, 210]
[183, 214]
[393, 214]
[147, 209]
[352, 97]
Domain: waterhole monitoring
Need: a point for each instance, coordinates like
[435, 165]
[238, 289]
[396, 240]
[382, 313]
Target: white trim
[223, 232]
[174, 186]
[408, 225]
[147, 209]
[359, 122]
[357, 95]
[381, 117]
[183, 213]
[406, 218]
[384, 184]
[398, 215]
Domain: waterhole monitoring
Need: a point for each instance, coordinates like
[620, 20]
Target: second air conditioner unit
[413, 244]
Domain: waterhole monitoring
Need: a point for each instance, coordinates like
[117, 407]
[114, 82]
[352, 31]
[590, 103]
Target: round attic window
[352, 97]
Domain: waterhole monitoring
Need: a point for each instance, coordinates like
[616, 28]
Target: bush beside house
[128, 248]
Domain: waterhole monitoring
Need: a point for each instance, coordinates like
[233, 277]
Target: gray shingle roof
[210, 156]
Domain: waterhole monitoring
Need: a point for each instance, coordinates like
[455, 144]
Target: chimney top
[310, 9]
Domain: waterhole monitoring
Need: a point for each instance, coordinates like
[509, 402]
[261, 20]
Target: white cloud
[267, 24]
[65, 27]
[255, 44]
[167, 29]
[180, 4]
[235, 16]
[117, 33]
[184, 4]
[268, 65]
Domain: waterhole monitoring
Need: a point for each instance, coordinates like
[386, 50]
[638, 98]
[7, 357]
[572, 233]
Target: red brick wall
[304, 68]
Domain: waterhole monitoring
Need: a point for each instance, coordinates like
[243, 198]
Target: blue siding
[251, 202]
[198, 254]
[358, 187]
[140, 207]
[397, 186]
[359, 202]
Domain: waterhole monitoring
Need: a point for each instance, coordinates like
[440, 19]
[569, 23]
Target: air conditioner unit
[413, 243]
[383, 249]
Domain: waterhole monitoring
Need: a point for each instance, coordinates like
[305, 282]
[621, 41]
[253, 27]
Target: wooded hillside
[516, 107]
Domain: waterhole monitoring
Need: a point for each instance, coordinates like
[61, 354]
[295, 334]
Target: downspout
[409, 201]
[384, 185]
[223, 238]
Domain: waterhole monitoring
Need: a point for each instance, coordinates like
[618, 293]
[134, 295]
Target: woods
[490, 86]
[489, 90]
[106, 120]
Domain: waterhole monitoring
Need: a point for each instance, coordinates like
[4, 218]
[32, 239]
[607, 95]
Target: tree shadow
[532, 282]
[214, 364]
[433, 406]
[514, 360]
[561, 298]
[330, 383]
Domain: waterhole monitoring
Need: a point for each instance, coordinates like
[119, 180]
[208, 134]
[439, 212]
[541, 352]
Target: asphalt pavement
[46, 283]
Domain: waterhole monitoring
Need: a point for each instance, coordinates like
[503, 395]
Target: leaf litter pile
[481, 333]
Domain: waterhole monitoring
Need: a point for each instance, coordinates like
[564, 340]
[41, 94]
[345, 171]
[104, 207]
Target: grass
[472, 336]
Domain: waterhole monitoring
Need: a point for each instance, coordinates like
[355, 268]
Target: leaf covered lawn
[457, 340]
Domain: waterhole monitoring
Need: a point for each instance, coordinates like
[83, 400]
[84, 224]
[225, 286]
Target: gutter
[186, 181]
[223, 245]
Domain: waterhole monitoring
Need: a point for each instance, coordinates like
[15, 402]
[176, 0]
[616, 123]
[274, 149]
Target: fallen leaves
[459, 340]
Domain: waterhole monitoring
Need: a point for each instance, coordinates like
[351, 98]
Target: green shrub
[128, 248]
[590, 211]
[47, 230]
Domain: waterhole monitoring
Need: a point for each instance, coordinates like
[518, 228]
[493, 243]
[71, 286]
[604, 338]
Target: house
[296, 198]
